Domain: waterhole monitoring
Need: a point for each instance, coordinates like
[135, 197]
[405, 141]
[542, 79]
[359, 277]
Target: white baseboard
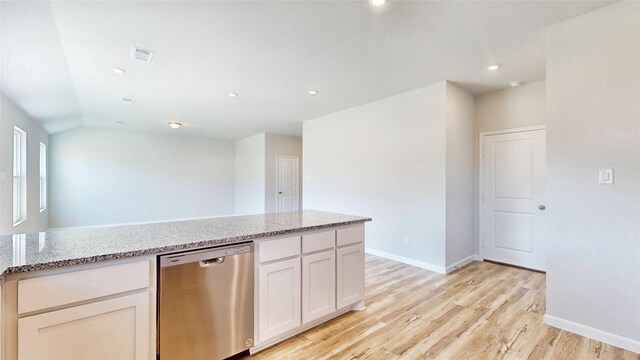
[402, 259]
[609, 338]
[462, 263]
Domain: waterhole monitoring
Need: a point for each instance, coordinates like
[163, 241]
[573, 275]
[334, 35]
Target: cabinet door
[350, 284]
[318, 285]
[110, 329]
[278, 298]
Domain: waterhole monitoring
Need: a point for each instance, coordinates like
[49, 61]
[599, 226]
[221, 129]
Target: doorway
[287, 183]
[512, 207]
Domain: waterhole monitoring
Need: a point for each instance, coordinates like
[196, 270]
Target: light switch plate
[606, 176]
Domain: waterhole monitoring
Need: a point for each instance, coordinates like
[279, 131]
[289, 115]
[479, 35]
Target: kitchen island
[94, 290]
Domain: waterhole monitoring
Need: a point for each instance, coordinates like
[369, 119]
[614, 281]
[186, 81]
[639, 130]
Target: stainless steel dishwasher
[206, 303]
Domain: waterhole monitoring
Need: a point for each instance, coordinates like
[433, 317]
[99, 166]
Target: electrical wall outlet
[407, 240]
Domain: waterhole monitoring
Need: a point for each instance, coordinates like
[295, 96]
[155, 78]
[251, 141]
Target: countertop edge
[164, 249]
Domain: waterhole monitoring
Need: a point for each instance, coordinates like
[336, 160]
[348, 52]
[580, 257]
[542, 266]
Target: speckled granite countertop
[54, 249]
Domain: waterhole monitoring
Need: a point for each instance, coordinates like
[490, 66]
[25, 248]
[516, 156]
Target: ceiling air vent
[141, 54]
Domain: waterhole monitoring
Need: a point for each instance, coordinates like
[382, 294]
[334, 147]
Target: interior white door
[513, 222]
[288, 192]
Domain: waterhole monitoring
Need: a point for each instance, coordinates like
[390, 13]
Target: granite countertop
[53, 249]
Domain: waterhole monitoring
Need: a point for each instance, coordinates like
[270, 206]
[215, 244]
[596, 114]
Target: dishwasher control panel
[237, 250]
[204, 255]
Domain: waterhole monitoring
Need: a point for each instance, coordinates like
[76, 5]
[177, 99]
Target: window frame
[19, 160]
[43, 177]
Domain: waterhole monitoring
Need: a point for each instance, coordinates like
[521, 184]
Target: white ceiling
[57, 58]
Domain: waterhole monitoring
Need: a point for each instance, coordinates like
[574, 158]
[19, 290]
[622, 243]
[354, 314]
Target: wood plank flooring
[483, 311]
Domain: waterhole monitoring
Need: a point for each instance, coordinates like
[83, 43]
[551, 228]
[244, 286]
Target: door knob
[542, 207]
[280, 192]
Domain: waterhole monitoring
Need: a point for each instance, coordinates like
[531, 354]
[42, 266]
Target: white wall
[406, 161]
[250, 175]
[384, 159]
[509, 108]
[103, 176]
[278, 145]
[593, 122]
[11, 115]
[460, 106]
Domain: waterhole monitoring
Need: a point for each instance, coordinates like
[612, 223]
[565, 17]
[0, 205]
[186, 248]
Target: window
[43, 177]
[19, 175]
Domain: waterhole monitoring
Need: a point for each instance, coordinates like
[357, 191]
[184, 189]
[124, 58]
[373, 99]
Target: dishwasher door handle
[214, 261]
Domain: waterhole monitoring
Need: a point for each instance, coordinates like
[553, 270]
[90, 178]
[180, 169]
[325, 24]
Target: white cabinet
[305, 280]
[111, 329]
[102, 312]
[350, 275]
[318, 285]
[279, 304]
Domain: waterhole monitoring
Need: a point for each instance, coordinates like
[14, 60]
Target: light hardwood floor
[483, 311]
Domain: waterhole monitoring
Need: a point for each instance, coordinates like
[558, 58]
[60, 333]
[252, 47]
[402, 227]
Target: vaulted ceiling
[57, 58]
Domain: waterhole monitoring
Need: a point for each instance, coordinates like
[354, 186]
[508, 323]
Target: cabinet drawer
[62, 289]
[352, 235]
[269, 250]
[319, 241]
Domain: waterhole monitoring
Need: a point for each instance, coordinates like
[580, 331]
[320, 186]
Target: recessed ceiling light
[515, 83]
[119, 71]
[233, 95]
[121, 123]
[313, 92]
[378, 2]
[493, 67]
[128, 100]
[174, 125]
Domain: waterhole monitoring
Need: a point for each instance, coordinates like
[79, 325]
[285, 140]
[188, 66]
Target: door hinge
[483, 151]
[482, 197]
